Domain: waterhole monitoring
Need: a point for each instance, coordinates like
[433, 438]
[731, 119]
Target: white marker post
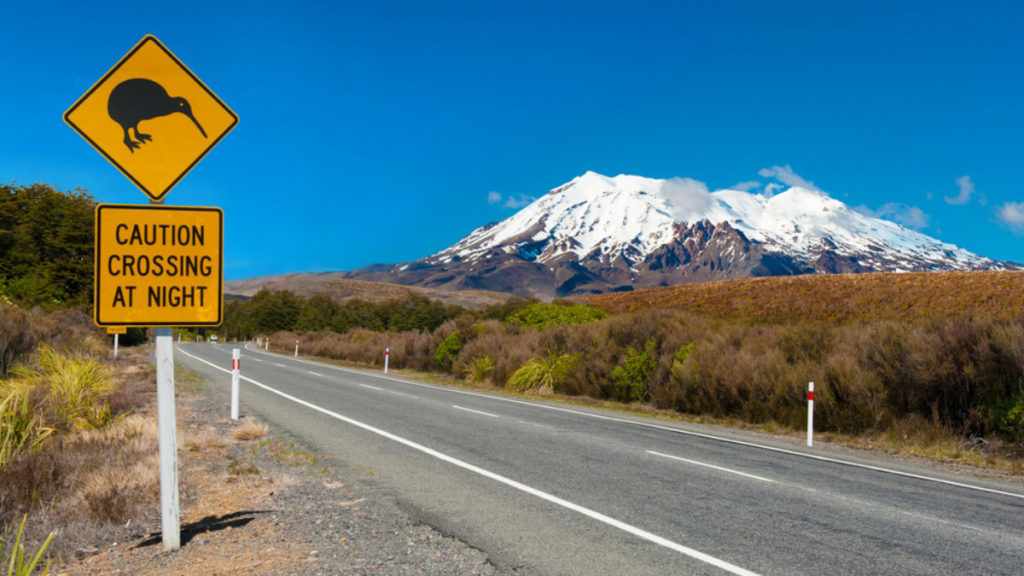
[387, 354]
[266, 345]
[170, 528]
[810, 413]
[236, 366]
[296, 348]
[115, 345]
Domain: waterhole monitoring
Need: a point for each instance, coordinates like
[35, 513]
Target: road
[546, 488]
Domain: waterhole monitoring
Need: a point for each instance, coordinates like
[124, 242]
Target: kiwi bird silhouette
[138, 99]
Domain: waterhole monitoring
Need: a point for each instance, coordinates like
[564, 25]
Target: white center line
[696, 463]
[488, 414]
[372, 387]
[278, 365]
[315, 373]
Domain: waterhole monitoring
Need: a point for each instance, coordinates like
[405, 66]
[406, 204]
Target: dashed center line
[488, 414]
[712, 466]
[372, 387]
[315, 373]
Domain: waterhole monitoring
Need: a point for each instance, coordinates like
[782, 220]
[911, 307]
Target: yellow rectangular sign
[117, 329]
[158, 265]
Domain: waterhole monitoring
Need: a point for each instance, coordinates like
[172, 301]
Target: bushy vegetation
[272, 311]
[965, 376]
[46, 246]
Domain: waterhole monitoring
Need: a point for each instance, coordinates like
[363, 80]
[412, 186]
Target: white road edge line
[684, 432]
[488, 414]
[712, 466]
[593, 514]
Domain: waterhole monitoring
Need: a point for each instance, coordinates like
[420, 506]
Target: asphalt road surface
[550, 489]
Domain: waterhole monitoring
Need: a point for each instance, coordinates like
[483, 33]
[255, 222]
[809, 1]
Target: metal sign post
[170, 526]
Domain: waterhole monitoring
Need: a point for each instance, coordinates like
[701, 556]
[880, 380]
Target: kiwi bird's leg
[142, 137]
[128, 140]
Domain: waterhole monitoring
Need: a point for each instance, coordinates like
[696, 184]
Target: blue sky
[386, 131]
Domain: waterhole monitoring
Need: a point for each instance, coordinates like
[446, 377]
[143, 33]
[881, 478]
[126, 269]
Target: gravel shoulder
[270, 506]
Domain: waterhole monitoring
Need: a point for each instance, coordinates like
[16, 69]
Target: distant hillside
[839, 297]
[341, 289]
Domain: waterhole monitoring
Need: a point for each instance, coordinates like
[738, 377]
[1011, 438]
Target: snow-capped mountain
[597, 233]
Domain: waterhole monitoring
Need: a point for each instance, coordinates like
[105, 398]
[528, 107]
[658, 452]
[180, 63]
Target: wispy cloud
[1011, 215]
[909, 216]
[688, 199]
[513, 201]
[746, 186]
[967, 190]
[787, 176]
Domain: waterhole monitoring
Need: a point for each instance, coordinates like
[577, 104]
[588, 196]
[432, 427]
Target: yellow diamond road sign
[151, 117]
[158, 265]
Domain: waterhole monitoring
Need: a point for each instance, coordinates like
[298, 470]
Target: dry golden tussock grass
[249, 430]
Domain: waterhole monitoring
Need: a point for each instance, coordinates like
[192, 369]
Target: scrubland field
[930, 363]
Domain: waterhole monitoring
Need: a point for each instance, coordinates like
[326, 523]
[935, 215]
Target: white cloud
[787, 176]
[909, 216]
[771, 188]
[1011, 215]
[688, 199]
[517, 201]
[513, 201]
[746, 186]
[966, 190]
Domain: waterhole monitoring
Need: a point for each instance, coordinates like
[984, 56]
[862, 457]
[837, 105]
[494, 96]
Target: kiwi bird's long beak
[197, 125]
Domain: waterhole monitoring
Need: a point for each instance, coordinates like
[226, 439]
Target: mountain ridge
[598, 234]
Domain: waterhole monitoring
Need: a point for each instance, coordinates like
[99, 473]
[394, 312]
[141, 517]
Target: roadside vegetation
[78, 452]
[899, 367]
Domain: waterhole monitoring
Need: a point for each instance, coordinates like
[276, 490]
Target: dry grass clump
[249, 430]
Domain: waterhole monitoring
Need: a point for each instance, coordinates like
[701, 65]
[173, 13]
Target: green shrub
[632, 378]
[543, 374]
[481, 368]
[1004, 416]
[543, 316]
[77, 385]
[448, 351]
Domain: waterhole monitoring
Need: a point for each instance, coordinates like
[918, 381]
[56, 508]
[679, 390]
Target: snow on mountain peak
[596, 216]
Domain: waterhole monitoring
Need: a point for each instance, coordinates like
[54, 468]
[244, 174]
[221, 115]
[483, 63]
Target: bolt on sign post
[154, 120]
